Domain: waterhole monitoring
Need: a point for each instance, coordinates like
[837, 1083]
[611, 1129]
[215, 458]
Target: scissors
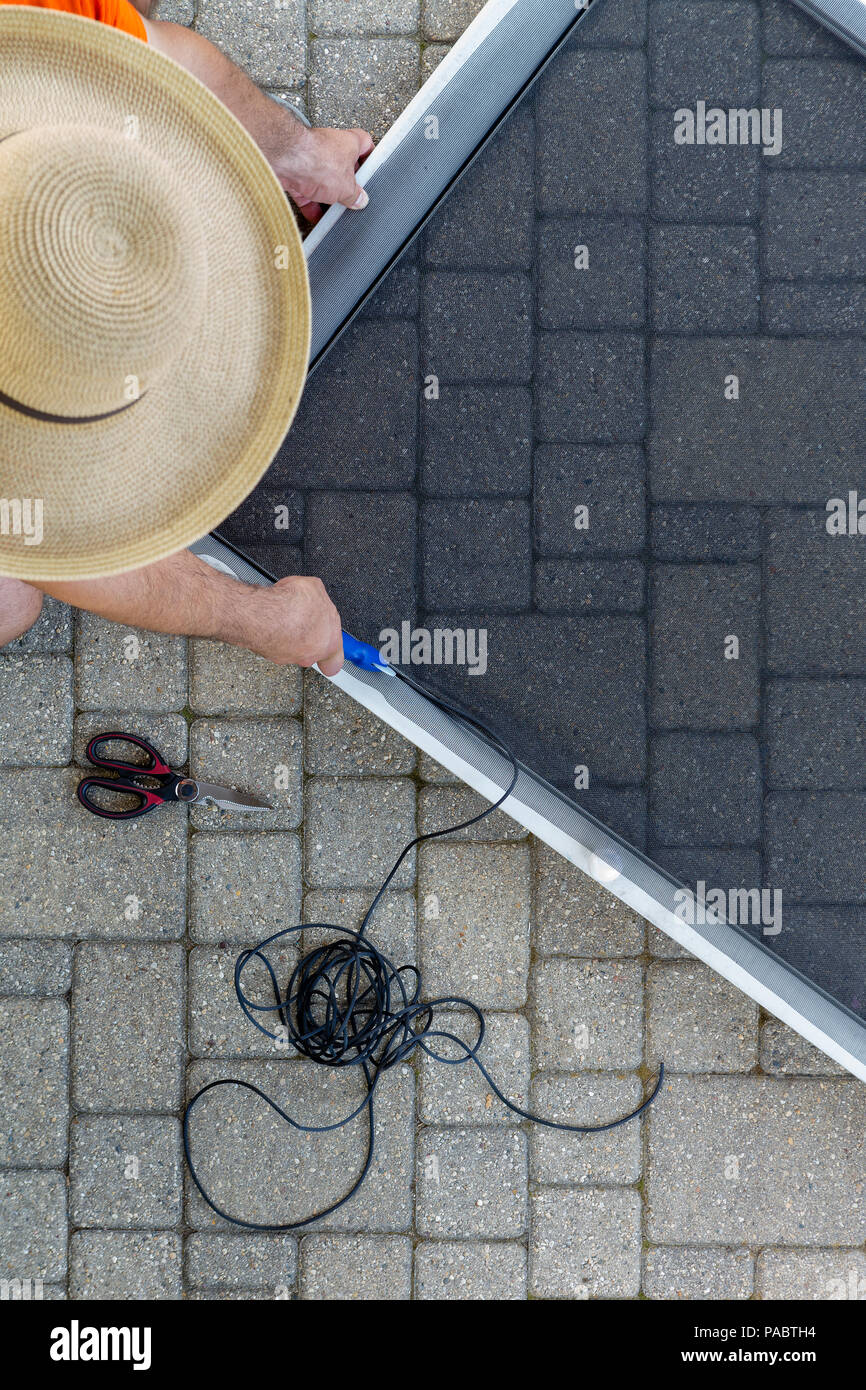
[135, 776]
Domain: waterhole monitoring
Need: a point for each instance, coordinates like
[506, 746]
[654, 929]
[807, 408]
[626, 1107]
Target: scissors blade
[227, 797]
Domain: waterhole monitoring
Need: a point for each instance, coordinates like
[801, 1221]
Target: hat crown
[102, 269]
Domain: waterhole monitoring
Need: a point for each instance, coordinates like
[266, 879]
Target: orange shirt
[118, 13]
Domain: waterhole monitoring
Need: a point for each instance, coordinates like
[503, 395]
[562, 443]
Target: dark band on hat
[33, 414]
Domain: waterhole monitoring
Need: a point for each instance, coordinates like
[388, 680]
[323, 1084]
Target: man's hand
[320, 167]
[314, 166]
[300, 625]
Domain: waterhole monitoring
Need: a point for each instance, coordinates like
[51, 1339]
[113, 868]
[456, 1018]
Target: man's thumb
[361, 199]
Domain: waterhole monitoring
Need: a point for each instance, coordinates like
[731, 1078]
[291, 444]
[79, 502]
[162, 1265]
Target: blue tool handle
[362, 654]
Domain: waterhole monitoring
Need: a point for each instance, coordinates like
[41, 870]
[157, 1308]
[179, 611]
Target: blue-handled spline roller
[363, 655]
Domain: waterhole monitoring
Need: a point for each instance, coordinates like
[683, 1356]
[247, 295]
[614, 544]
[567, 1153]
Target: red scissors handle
[155, 767]
[133, 779]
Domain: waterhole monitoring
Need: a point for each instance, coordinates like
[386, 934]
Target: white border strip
[605, 874]
[472, 37]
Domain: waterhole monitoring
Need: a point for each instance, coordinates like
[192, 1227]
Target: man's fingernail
[362, 199]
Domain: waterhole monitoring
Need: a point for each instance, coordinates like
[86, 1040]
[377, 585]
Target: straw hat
[154, 302]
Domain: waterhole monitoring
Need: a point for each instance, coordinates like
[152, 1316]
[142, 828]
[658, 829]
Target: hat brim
[124, 492]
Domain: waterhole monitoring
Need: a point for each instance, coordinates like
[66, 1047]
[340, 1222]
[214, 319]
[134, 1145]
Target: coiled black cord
[348, 1005]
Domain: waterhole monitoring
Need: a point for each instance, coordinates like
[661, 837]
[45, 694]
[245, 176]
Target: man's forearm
[274, 129]
[181, 594]
[290, 622]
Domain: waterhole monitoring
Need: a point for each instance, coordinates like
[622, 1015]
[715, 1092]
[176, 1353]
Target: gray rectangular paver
[34, 1041]
[125, 1171]
[35, 967]
[267, 1262]
[585, 1243]
[793, 431]
[824, 105]
[699, 1274]
[460, 1095]
[474, 922]
[623, 25]
[784, 1052]
[587, 1014]
[789, 32]
[230, 680]
[705, 634]
[243, 887]
[811, 1275]
[356, 1267]
[336, 17]
[622, 809]
[591, 273]
[697, 534]
[705, 789]
[574, 916]
[477, 327]
[476, 554]
[82, 876]
[490, 1271]
[697, 183]
[488, 221]
[356, 829]
[125, 1265]
[431, 56]
[127, 1026]
[814, 611]
[271, 47]
[826, 308]
[559, 1158]
[814, 845]
[697, 1021]
[709, 1178]
[816, 732]
[342, 739]
[589, 500]
[218, 1027]
[391, 929]
[33, 1231]
[362, 81]
[261, 756]
[704, 48]
[471, 1182]
[717, 867]
[704, 279]
[476, 441]
[591, 123]
[810, 224]
[35, 710]
[589, 586]
[590, 388]
[127, 668]
[446, 19]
